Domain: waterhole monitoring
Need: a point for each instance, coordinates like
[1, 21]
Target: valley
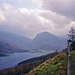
[44, 42]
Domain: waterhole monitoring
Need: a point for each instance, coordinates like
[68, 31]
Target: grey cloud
[21, 23]
[26, 22]
[57, 20]
[64, 7]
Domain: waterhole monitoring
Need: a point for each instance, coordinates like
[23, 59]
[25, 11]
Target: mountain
[48, 41]
[44, 41]
[64, 36]
[14, 38]
[8, 47]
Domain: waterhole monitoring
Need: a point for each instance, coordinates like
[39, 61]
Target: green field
[40, 51]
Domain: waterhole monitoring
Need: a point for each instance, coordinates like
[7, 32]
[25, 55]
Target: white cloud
[21, 20]
[2, 17]
[6, 6]
[59, 23]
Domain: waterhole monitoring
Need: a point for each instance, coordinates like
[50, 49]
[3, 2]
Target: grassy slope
[53, 66]
[73, 61]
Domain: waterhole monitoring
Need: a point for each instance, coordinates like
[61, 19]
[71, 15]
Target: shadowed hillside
[8, 47]
[14, 38]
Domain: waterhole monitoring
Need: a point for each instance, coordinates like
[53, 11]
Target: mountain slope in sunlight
[52, 66]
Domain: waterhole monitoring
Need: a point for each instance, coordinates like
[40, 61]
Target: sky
[30, 17]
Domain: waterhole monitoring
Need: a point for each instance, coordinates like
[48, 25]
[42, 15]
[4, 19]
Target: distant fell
[17, 39]
[8, 47]
[48, 41]
[43, 41]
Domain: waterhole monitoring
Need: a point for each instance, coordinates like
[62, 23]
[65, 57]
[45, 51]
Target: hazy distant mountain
[8, 47]
[64, 36]
[14, 38]
[44, 40]
[48, 41]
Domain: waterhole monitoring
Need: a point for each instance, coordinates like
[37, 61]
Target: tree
[72, 34]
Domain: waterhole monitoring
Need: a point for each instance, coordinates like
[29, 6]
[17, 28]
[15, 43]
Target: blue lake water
[11, 61]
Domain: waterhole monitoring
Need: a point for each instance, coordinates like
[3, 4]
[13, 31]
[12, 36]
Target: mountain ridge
[9, 47]
[15, 38]
[44, 41]
[48, 41]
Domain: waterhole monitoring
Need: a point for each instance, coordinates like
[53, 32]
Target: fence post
[69, 64]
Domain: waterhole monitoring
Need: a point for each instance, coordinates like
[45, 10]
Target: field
[40, 51]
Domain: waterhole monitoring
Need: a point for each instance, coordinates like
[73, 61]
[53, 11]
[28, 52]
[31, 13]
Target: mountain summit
[44, 41]
[48, 41]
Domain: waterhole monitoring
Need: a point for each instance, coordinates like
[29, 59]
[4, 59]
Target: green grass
[73, 70]
[45, 51]
[73, 61]
[53, 66]
[40, 51]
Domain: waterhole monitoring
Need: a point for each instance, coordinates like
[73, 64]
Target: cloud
[57, 20]
[29, 22]
[64, 7]
[2, 17]
[59, 23]
[22, 20]
[5, 7]
[37, 2]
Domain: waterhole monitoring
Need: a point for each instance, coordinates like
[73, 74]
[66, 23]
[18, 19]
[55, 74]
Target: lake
[13, 60]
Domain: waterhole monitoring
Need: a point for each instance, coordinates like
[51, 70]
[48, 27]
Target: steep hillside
[52, 66]
[25, 66]
[14, 38]
[49, 66]
[48, 41]
[8, 47]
